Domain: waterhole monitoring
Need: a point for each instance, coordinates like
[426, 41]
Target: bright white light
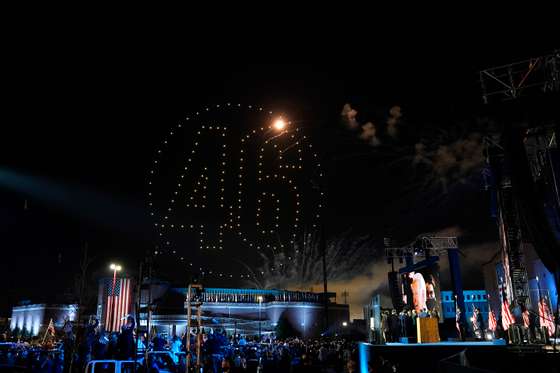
[260, 298]
[279, 124]
[115, 267]
[344, 323]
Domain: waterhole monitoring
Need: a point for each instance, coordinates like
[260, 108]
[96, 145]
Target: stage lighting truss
[510, 81]
[427, 245]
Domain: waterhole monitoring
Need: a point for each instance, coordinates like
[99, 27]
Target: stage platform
[452, 356]
[497, 342]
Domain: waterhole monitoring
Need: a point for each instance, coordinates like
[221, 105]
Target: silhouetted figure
[394, 326]
[68, 341]
[159, 343]
[126, 339]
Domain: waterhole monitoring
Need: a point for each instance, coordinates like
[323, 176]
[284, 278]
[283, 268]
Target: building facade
[472, 299]
[245, 311]
[34, 318]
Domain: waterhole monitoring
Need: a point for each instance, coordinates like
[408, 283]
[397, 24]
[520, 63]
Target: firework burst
[301, 266]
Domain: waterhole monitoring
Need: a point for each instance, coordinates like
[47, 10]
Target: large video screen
[421, 290]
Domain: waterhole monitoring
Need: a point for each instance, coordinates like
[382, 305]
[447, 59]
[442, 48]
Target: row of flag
[546, 318]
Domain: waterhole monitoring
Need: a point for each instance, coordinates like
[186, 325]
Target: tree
[284, 328]
[25, 333]
[16, 333]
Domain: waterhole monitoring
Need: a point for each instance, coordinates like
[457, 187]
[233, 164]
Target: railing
[257, 296]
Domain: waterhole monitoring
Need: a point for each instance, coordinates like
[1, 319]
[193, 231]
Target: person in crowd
[113, 346]
[385, 330]
[394, 326]
[176, 345]
[100, 346]
[68, 343]
[410, 324]
[158, 342]
[126, 339]
[141, 344]
[402, 324]
[477, 323]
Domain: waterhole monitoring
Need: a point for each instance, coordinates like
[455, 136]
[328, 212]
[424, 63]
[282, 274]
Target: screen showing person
[420, 290]
[431, 298]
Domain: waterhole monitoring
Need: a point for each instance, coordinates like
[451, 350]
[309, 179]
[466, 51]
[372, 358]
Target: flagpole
[110, 321]
[46, 331]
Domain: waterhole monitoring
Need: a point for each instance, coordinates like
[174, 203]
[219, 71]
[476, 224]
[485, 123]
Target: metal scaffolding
[513, 80]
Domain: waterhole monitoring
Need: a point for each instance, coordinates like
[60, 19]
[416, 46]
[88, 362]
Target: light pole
[260, 299]
[115, 268]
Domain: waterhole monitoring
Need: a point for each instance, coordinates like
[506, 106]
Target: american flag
[507, 316]
[458, 318]
[492, 322]
[545, 317]
[118, 304]
[50, 328]
[526, 319]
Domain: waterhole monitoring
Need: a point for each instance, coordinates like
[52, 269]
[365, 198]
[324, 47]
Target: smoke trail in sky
[301, 265]
[440, 157]
[349, 117]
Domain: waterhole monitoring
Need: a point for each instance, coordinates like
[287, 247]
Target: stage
[497, 342]
[456, 356]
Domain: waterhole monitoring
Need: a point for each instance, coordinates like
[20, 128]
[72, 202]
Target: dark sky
[83, 114]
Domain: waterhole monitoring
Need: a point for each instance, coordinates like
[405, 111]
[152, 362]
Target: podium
[427, 330]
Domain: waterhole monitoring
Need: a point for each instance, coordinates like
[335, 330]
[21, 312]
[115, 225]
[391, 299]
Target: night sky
[83, 116]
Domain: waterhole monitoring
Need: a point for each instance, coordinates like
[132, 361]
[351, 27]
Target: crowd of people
[396, 325]
[219, 352]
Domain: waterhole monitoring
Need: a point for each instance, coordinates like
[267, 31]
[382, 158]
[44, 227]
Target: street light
[260, 299]
[116, 268]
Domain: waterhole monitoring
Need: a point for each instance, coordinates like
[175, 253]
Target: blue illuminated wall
[545, 286]
[472, 298]
[35, 317]
[304, 310]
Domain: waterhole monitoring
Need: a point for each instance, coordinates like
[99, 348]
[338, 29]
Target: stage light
[344, 323]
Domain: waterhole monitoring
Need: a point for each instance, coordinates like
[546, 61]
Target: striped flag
[50, 328]
[474, 318]
[458, 319]
[507, 316]
[118, 303]
[545, 317]
[526, 320]
[492, 322]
